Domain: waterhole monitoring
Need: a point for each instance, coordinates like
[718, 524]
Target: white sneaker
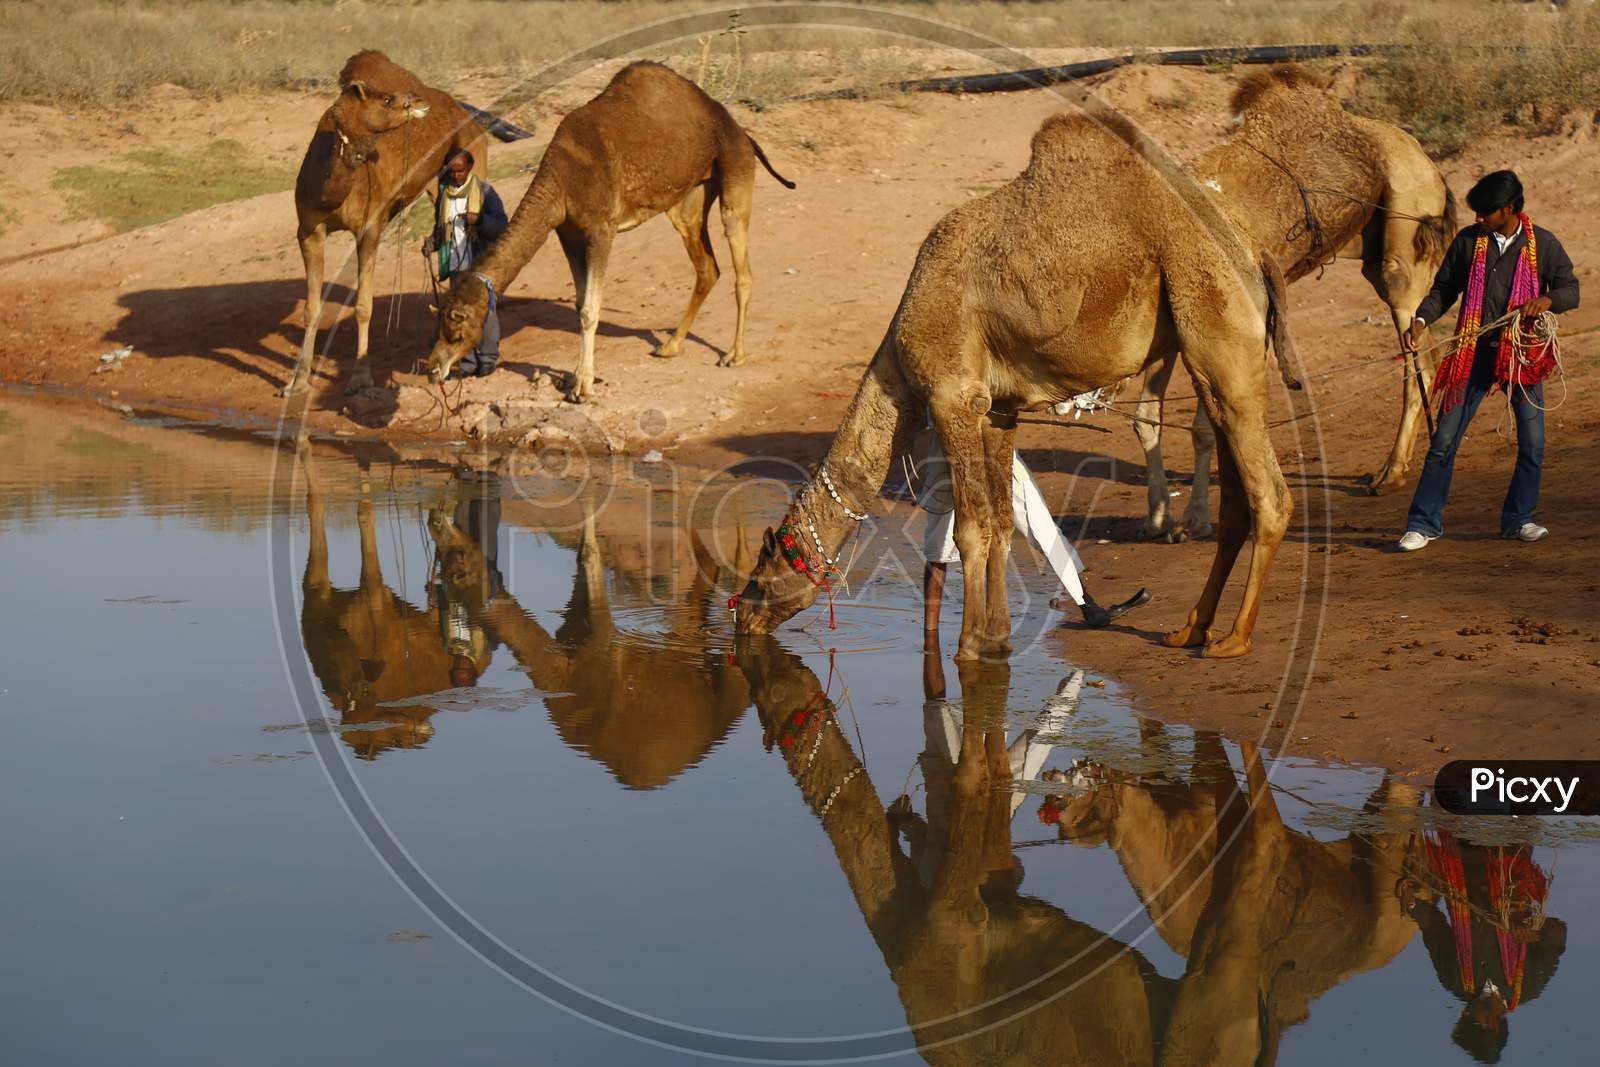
[1532, 531]
[1412, 540]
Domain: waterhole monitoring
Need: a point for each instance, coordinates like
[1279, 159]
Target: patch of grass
[417, 222]
[77, 53]
[8, 218]
[150, 185]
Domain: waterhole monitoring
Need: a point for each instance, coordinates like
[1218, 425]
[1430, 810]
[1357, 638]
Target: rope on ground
[444, 404]
[1546, 328]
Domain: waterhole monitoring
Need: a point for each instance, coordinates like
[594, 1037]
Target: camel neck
[540, 211]
[878, 424]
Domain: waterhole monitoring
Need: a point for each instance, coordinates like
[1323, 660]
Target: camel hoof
[1178, 536]
[666, 352]
[1230, 647]
[738, 359]
[295, 388]
[1368, 478]
[1188, 637]
[575, 391]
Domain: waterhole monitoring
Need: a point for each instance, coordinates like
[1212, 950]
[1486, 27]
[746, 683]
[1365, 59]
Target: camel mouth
[418, 111]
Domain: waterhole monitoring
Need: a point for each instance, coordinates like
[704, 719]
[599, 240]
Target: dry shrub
[1479, 70]
[1478, 62]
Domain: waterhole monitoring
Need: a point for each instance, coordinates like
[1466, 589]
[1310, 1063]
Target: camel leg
[962, 437]
[316, 580]
[1265, 504]
[596, 252]
[737, 194]
[371, 561]
[366, 280]
[1197, 517]
[311, 253]
[1233, 525]
[688, 217]
[998, 451]
[1401, 278]
[1392, 475]
[1152, 390]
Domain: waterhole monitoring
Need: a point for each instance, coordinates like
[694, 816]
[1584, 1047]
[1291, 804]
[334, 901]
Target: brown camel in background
[1375, 196]
[375, 150]
[651, 142]
[1095, 263]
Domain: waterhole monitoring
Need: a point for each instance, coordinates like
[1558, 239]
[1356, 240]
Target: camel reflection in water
[646, 709]
[369, 647]
[1267, 918]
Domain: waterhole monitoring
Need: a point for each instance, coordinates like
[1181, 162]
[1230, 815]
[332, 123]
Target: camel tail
[785, 182]
[1278, 323]
[1434, 235]
[494, 124]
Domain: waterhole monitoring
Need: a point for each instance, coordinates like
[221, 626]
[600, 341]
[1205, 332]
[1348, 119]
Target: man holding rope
[468, 217]
[1502, 263]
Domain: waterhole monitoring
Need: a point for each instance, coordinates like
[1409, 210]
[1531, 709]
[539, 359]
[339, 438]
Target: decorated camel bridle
[820, 570]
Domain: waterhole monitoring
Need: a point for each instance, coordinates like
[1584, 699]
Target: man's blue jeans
[1433, 488]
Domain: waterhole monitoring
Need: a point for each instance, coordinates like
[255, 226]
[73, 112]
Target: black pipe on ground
[1039, 77]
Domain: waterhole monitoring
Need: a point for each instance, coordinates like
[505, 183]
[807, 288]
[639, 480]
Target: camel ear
[359, 88]
[769, 541]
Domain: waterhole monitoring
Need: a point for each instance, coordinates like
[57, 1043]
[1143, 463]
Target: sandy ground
[1475, 647]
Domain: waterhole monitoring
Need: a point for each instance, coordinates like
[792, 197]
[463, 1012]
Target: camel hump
[645, 70]
[1073, 139]
[371, 67]
[1254, 88]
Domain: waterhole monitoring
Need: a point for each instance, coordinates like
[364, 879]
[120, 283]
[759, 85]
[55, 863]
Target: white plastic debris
[1079, 404]
[117, 353]
[652, 456]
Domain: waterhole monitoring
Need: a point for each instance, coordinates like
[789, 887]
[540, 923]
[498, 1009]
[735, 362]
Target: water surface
[534, 686]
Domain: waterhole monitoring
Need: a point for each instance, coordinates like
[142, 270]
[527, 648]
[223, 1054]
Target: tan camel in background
[651, 142]
[1293, 130]
[1096, 262]
[375, 151]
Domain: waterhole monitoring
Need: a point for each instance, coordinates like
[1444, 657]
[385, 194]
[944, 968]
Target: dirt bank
[1474, 647]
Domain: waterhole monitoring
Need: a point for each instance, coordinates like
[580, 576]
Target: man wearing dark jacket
[1492, 268]
[468, 216]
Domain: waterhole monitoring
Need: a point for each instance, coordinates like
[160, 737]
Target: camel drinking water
[1096, 262]
[651, 142]
[1371, 193]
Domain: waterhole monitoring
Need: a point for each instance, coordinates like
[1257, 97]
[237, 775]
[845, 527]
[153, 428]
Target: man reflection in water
[1491, 943]
[467, 578]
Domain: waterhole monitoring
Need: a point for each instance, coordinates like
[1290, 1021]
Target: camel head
[774, 593]
[371, 110]
[460, 324]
